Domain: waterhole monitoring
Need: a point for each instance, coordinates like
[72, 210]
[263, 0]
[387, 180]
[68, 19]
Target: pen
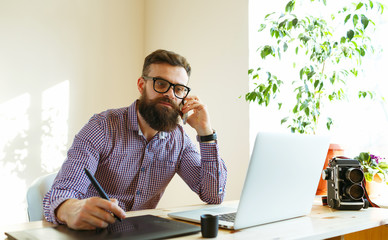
[99, 188]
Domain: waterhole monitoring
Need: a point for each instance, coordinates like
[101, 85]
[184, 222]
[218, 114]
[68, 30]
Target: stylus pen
[99, 188]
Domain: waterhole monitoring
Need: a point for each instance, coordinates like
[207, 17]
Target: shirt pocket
[164, 163]
[162, 169]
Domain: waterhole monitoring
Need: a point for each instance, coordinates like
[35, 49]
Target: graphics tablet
[139, 227]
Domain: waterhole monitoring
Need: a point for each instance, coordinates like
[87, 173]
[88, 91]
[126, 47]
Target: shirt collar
[162, 135]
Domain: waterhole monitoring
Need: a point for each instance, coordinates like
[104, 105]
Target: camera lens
[355, 175]
[355, 191]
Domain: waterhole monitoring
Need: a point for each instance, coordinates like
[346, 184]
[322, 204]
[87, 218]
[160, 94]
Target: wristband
[207, 138]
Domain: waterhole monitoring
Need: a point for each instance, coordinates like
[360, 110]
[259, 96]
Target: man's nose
[170, 93]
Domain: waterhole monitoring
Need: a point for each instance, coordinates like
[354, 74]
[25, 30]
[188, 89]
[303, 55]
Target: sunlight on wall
[23, 120]
[14, 125]
[55, 113]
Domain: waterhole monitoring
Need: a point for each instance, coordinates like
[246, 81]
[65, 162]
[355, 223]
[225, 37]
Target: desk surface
[322, 222]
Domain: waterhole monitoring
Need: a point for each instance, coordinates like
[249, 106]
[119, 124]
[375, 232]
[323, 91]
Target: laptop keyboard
[228, 217]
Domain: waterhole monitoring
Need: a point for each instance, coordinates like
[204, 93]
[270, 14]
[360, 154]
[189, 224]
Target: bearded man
[135, 151]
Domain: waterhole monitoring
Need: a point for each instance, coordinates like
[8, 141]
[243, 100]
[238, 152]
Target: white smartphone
[183, 116]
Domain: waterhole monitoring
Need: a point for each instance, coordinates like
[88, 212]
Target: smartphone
[183, 116]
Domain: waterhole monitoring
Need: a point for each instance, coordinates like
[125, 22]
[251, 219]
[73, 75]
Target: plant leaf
[383, 165]
[284, 120]
[329, 123]
[368, 176]
[269, 75]
[295, 110]
[347, 18]
[267, 50]
[364, 21]
[316, 83]
[282, 24]
[294, 22]
[274, 88]
[262, 27]
[301, 72]
[362, 52]
[285, 47]
[307, 111]
[359, 5]
[290, 6]
[355, 20]
[269, 14]
[350, 34]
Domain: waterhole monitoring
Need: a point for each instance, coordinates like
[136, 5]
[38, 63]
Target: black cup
[209, 226]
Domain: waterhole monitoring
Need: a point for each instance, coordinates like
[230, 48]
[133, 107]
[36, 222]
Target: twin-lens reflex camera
[344, 184]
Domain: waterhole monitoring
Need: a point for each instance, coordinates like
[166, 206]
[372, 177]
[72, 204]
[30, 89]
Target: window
[359, 125]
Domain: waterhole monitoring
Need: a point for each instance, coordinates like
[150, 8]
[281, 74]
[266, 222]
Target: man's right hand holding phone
[199, 119]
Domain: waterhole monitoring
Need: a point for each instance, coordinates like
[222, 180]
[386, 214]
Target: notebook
[139, 227]
[281, 181]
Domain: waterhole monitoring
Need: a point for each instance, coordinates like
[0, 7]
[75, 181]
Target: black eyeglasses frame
[154, 79]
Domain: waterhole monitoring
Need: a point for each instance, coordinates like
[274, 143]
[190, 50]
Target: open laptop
[280, 183]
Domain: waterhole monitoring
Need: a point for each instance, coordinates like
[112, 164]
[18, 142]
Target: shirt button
[142, 169]
[138, 192]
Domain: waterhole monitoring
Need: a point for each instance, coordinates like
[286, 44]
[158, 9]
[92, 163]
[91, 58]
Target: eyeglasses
[162, 86]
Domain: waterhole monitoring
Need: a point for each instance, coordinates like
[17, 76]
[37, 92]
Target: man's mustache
[169, 101]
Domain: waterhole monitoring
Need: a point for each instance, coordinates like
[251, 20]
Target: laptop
[139, 227]
[281, 181]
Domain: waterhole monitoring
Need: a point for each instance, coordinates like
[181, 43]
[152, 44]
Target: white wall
[62, 61]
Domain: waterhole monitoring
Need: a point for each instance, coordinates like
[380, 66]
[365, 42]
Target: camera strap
[371, 204]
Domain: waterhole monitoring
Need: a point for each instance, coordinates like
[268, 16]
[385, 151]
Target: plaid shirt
[131, 169]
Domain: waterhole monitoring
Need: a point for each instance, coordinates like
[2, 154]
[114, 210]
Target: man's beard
[157, 116]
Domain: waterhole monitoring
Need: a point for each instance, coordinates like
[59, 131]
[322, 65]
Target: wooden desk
[321, 223]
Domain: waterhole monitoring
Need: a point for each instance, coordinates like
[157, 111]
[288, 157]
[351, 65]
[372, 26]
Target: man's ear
[140, 84]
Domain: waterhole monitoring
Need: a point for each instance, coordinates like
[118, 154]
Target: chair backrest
[35, 195]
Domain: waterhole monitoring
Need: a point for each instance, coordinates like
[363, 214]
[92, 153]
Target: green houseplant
[373, 167]
[375, 170]
[328, 53]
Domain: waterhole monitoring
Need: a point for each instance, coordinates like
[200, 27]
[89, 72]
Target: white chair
[35, 195]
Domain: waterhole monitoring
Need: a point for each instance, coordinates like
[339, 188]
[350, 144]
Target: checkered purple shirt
[132, 170]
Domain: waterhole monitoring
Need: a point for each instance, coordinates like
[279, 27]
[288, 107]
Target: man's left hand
[199, 119]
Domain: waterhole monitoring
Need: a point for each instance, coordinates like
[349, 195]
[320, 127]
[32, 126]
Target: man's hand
[88, 214]
[199, 119]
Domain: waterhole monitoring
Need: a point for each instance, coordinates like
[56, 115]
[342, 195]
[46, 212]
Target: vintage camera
[344, 184]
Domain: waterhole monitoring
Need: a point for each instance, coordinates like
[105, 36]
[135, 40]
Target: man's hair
[164, 56]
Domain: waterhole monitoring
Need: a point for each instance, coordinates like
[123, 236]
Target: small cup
[209, 226]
